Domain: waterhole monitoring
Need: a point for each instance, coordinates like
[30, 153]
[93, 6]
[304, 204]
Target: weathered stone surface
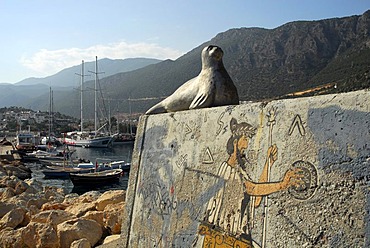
[6, 207]
[98, 216]
[52, 217]
[19, 172]
[11, 238]
[81, 243]
[110, 197]
[20, 187]
[34, 184]
[72, 230]
[201, 174]
[38, 202]
[12, 218]
[80, 209]
[111, 238]
[113, 217]
[54, 206]
[7, 193]
[39, 235]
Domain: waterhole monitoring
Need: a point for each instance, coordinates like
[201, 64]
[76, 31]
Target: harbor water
[119, 151]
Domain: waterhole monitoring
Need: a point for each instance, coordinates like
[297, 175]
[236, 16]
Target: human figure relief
[227, 222]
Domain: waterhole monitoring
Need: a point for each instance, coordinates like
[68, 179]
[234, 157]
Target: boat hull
[100, 142]
[96, 177]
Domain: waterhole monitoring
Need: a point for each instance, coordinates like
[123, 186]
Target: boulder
[11, 238]
[54, 194]
[90, 196]
[21, 187]
[6, 207]
[76, 229]
[95, 215]
[110, 197]
[52, 217]
[111, 238]
[37, 202]
[54, 206]
[81, 243]
[17, 171]
[9, 181]
[113, 217]
[80, 209]
[37, 185]
[39, 235]
[13, 218]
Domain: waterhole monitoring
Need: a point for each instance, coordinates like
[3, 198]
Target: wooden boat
[106, 176]
[58, 172]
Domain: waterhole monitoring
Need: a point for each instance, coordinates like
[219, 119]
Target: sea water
[119, 151]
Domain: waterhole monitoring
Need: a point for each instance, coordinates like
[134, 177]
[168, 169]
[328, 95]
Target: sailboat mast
[96, 82]
[50, 100]
[82, 83]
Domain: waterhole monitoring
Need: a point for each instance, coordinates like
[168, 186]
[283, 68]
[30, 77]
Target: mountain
[331, 54]
[69, 78]
[34, 92]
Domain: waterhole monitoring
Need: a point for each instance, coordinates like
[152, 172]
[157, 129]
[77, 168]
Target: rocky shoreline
[33, 215]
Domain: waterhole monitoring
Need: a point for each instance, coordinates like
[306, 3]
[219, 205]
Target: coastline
[61, 219]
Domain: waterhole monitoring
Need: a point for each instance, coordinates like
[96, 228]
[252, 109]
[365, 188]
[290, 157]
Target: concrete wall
[287, 173]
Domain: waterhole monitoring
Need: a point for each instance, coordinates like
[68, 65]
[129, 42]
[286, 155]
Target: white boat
[95, 138]
[27, 141]
[88, 139]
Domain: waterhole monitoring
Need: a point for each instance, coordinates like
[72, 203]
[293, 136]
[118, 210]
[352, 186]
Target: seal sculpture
[212, 87]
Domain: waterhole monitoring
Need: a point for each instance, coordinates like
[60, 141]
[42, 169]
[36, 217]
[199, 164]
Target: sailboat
[95, 138]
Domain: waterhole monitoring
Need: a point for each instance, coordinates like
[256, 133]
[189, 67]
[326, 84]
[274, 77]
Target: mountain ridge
[263, 63]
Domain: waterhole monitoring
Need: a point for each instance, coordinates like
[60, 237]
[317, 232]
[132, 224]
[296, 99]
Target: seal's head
[211, 55]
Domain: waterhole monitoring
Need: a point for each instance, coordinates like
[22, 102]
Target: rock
[37, 202]
[39, 235]
[71, 198]
[17, 171]
[90, 196]
[54, 194]
[52, 217]
[111, 238]
[80, 209]
[7, 193]
[98, 216]
[54, 206]
[12, 218]
[113, 217]
[35, 184]
[6, 207]
[76, 229]
[11, 238]
[9, 181]
[21, 187]
[81, 243]
[110, 197]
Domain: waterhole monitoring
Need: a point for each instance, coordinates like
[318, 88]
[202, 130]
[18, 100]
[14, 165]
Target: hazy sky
[41, 37]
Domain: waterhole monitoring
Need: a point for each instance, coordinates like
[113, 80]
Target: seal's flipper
[156, 109]
[201, 100]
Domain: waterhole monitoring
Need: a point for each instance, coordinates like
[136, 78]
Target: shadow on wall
[342, 137]
[343, 140]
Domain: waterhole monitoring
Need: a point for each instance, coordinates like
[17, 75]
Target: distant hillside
[264, 64]
[34, 92]
[107, 67]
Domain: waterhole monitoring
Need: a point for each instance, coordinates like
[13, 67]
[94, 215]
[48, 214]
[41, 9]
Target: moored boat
[57, 172]
[106, 176]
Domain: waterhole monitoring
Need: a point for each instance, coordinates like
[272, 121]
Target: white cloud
[46, 62]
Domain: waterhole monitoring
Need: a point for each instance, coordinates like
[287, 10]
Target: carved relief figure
[229, 214]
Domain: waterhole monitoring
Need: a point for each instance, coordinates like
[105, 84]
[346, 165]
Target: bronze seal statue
[212, 87]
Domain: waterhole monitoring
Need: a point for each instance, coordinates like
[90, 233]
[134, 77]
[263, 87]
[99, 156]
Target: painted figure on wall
[229, 215]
